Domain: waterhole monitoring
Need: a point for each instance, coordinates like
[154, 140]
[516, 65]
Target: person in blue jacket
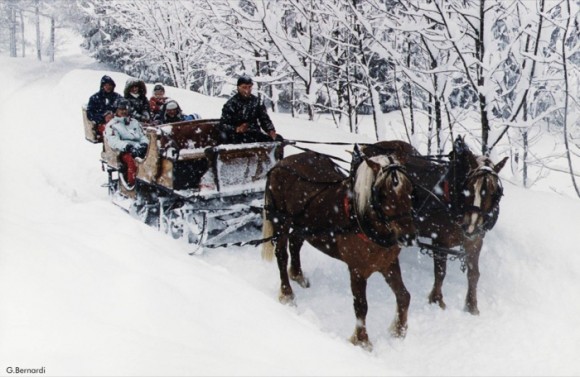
[125, 135]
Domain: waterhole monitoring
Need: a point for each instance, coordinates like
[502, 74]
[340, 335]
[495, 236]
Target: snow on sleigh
[193, 188]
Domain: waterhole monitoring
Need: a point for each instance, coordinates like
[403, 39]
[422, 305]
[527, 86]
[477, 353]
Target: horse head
[480, 195]
[382, 196]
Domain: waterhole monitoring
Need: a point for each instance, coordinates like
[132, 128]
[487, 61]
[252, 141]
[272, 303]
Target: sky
[87, 290]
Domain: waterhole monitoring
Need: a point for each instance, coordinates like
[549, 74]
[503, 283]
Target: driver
[244, 117]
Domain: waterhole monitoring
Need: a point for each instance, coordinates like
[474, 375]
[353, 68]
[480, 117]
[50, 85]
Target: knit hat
[245, 80]
[121, 103]
[158, 87]
[171, 105]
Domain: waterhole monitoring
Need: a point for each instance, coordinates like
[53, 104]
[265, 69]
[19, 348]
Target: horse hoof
[364, 344]
[299, 278]
[439, 301]
[398, 331]
[471, 310]
[302, 281]
[287, 299]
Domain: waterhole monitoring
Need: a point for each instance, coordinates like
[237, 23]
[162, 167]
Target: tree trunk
[438, 121]
[410, 93]
[37, 25]
[22, 40]
[525, 158]
[12, 29]
[484, 124]
[348, 97]
[480, 50]
[292, 98]
[52, 39]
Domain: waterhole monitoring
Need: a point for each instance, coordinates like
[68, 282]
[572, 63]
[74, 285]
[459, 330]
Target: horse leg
[358, 285]
[473, 250]
[440, 269]
[286, 295]
[295, 270]
[394, 278]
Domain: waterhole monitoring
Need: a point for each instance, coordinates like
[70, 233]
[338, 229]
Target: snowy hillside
[87, 290]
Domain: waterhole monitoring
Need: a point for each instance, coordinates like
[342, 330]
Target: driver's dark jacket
[251, 110]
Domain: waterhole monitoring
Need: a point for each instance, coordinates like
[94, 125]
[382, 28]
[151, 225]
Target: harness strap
[446, 194]
[324, 154]
[324, 142]
[359, 233]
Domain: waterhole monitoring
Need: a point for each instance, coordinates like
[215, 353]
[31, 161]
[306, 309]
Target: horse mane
[363, 182]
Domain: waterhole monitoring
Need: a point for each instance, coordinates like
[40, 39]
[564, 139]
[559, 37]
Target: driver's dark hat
[245, 80]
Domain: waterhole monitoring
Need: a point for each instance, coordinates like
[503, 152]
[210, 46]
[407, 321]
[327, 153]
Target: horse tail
[267, 227]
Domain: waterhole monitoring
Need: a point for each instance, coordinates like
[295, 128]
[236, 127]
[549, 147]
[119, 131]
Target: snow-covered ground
[87, 290]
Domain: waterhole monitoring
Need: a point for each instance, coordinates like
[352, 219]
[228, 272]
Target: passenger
[136, 93]
[100, 103]
[126, 136]
[108, 116]
[157, 100]
[244, 117]
[171, 112]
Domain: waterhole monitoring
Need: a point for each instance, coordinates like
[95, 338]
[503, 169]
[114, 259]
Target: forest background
[511, 66]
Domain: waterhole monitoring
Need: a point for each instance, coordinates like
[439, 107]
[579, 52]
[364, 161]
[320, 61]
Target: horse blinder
[489, 216]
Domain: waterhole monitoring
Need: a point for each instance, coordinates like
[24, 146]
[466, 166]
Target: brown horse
[455, 203]
[360, 220]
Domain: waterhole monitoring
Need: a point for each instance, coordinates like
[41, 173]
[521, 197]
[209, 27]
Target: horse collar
[358, 224]
[351, 215]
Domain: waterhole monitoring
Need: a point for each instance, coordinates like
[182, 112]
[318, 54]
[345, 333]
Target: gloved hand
[129, 148]
[242, 128]
[141, 150]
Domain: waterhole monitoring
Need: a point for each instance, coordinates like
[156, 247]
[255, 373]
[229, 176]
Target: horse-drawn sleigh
[194, 188]
[189, 185]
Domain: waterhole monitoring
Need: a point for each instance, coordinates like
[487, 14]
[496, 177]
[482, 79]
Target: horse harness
[355, 224]
[490, 217]
[450, 204]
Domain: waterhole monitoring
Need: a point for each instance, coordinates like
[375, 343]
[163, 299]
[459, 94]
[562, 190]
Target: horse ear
[500, 164]
[459, 146]
[376, 167]
[356, 153]
[357, 158]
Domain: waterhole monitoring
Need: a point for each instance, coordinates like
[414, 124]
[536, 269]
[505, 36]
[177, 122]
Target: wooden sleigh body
[190, 185]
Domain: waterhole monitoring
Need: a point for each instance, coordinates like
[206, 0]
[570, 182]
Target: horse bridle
[393, 167]
[487, 173]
